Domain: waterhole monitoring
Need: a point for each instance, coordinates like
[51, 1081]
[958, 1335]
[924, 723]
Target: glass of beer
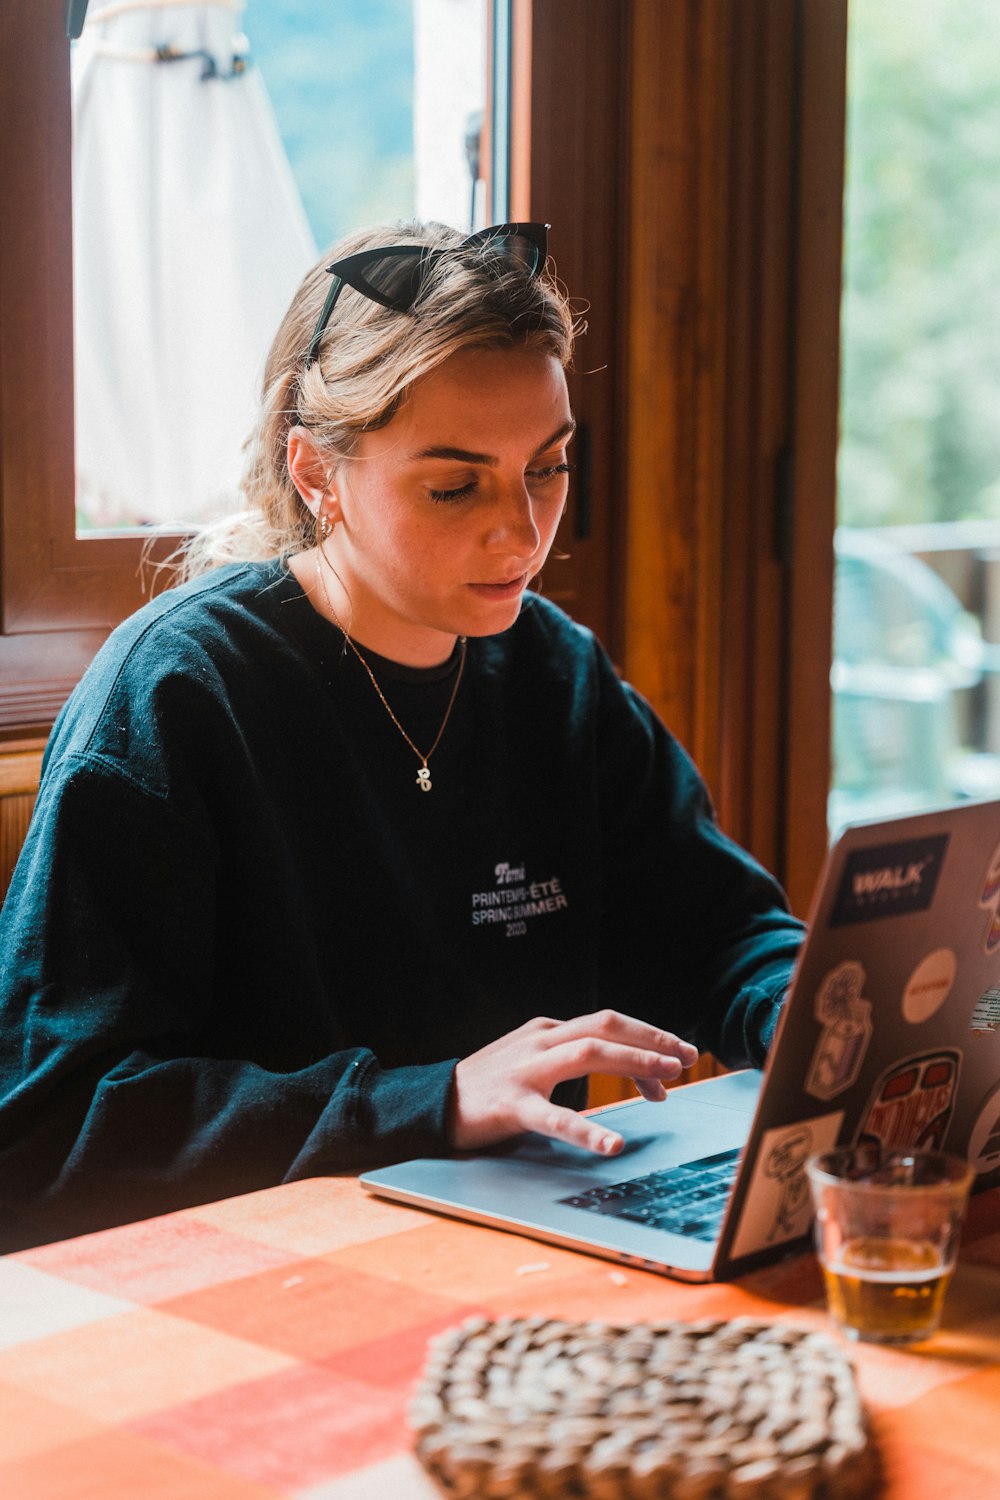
[887, 1228]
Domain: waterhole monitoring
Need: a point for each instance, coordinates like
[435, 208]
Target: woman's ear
[307, 469]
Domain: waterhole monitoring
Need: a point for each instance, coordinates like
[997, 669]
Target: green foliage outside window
[921, 321]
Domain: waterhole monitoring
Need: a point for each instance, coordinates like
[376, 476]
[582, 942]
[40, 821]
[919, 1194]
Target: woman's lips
[501, 591]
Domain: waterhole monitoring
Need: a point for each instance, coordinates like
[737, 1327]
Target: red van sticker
[912, 1103]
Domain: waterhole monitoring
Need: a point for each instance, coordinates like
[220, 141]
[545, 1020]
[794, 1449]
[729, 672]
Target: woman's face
[445, 515]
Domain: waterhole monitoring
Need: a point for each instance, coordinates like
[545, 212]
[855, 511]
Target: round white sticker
[929, 985]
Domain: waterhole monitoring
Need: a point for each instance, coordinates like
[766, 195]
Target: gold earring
[325, 528]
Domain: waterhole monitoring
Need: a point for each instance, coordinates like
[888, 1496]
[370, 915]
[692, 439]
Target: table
[265, 1346]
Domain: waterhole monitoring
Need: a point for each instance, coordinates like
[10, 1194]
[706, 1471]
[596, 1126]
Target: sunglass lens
[515, 247]
[395, 279]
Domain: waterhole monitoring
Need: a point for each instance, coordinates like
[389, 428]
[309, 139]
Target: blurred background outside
[916, 676]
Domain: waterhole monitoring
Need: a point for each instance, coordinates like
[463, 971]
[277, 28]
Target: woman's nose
[514, 527]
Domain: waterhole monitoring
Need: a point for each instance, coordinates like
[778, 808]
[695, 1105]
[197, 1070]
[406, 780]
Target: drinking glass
[887, 1229]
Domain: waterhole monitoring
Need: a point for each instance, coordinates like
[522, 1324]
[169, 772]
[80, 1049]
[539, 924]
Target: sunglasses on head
[392, 275]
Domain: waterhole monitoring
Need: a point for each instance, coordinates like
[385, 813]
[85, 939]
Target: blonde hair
[369, 358]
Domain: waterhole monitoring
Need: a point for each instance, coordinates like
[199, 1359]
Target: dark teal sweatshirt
[241, 946]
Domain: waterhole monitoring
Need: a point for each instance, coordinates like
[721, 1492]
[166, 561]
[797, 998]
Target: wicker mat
[525, 1407]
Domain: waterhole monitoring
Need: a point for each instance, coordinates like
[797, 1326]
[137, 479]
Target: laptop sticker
[984, 1141]
[777, 1206]
[989, 900]
[929, 986]
[986, 1016]
[912, 1102]
[889, 880]
[845, 1017]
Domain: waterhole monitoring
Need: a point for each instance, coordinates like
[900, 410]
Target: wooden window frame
[60, 594]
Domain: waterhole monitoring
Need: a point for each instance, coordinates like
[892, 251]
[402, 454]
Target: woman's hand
[506, 1088]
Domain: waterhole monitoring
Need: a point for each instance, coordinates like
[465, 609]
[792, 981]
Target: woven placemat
[525, 1407]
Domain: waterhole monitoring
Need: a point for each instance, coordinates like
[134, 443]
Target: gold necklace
[423, 775]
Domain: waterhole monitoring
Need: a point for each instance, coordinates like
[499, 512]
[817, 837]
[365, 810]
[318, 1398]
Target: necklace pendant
[424, 779]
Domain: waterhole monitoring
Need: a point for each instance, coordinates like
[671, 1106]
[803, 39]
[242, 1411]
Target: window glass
[218, 149]
[916, 675]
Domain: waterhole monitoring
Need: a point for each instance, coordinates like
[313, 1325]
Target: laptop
[891, 1033]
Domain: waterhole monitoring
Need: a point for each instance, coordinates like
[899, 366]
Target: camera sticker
[989, 900]
[929, 986]
[912, 1103]
[889, 880]
[984, 1142]
[845, 1017]
[986, 1016]
[777, 1206]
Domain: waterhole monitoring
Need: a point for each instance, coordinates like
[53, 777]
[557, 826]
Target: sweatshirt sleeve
[698, 936]
[117, 1097]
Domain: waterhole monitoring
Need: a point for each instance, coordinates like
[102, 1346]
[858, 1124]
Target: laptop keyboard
[689, 1199]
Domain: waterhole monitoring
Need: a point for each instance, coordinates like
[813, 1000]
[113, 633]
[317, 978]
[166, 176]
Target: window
[210, 168]
[916, 676]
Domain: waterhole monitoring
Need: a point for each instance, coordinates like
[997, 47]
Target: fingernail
[610, 1144]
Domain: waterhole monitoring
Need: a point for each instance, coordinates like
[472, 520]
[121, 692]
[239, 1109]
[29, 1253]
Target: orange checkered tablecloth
[266, 1346]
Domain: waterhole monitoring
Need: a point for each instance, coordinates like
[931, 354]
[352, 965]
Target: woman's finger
[546, 1118]
[614, 1025]
[571, 1059]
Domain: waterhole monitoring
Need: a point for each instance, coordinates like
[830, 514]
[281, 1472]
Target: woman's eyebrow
[561, 434]
[466, 456]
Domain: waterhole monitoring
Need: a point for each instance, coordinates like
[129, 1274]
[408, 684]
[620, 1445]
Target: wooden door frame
[729, 422]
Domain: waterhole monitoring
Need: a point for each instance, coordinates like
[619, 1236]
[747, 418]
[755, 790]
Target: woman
[350, 849]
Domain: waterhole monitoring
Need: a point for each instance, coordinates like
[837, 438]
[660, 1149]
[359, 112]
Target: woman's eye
[462, 493]
[466, 491]
[550, 472]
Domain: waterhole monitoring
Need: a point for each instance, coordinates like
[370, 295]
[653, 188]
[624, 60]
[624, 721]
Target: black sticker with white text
[889, 880]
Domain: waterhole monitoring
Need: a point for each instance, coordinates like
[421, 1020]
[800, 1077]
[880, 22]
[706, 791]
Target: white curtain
[189, 240]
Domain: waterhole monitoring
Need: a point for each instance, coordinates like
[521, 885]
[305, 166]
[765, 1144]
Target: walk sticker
[889, 880]
[929, 986]
[777, 1206]
[845, 1017]
[912, 1103]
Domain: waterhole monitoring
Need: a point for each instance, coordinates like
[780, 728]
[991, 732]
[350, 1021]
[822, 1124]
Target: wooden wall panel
[569, 104]
[729, 417]
[675, 363]
[19, 772]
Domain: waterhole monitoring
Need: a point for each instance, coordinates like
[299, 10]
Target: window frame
[60, 594]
